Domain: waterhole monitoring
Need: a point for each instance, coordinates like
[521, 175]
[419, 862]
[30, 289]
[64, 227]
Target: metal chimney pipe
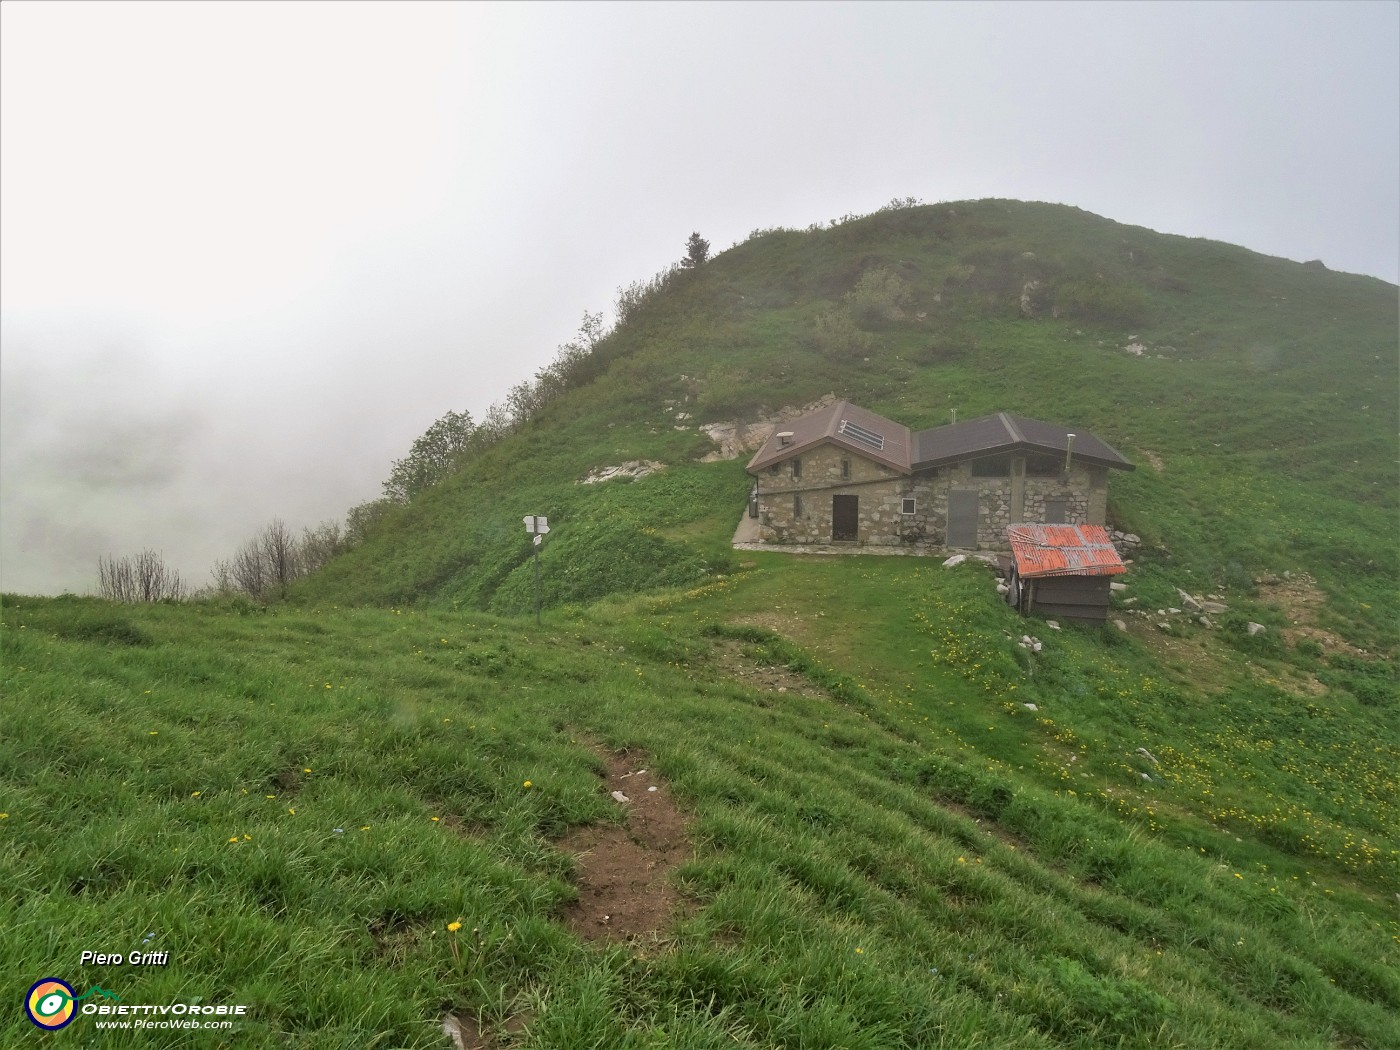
[1069, 454]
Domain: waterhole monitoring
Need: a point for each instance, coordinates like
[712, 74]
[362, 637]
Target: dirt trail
[624, 893]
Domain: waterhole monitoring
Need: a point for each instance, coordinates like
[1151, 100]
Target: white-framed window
[906, 505]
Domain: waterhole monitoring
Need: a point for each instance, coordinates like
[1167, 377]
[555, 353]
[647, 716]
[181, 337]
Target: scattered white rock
[1120, 625]
[1214, 608]
[956, 559]
[1136, 349]
[1188, 601]
[453, 1028]
[1255, 628]
[618, 796]
[652, 788]
[1030, 707]
[633, 468]
[1052, 624]
[1117, 586]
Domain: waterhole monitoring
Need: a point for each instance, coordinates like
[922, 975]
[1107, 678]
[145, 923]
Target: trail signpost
[537, 525]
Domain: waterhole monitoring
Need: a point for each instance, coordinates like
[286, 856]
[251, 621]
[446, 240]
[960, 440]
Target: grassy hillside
[387, 800]
[888, 848]
[1262, 413]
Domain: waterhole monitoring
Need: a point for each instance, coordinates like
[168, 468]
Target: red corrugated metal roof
[1064, 550]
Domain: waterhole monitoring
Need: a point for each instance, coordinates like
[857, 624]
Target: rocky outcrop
[736, 438]
[633, 468]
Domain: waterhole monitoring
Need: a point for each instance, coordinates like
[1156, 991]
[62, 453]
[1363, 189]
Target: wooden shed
[1062, 571]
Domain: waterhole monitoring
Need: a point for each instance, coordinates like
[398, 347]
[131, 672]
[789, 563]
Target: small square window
[906, 505]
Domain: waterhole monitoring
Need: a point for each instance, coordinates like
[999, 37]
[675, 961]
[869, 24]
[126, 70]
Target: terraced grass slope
[349, 821]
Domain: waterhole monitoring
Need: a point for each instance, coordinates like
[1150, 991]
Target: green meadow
[893, 852]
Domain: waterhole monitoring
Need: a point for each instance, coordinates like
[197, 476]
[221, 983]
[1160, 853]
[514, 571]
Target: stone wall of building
[826, 471]
[830, 470]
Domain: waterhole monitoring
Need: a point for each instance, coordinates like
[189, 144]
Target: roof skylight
[856, 432]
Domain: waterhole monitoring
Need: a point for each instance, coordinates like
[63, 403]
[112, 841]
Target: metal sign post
[537, 525]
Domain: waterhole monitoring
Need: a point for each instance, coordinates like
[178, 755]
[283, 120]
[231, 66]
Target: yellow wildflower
[453, 927]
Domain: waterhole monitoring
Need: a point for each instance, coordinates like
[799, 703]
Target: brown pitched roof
[1003, 432]
[844, 424]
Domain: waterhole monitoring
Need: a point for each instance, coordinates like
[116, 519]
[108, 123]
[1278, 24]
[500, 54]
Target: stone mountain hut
[845, 475]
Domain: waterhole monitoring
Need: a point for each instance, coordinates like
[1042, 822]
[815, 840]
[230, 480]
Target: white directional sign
[536, 524]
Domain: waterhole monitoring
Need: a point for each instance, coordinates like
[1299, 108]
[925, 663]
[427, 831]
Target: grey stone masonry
[796, 506]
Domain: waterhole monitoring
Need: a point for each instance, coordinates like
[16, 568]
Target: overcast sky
[249, 251]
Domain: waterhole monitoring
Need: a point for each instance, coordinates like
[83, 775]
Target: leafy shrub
[636, 297]
[1310, 647]
[431, 458]
[836, 335]
[1374, 683]
[1102, 302]
[879, 298]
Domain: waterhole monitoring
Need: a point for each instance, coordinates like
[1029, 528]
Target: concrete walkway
[746, 538]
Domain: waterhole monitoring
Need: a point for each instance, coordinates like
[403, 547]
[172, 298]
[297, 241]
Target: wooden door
[845, 517]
